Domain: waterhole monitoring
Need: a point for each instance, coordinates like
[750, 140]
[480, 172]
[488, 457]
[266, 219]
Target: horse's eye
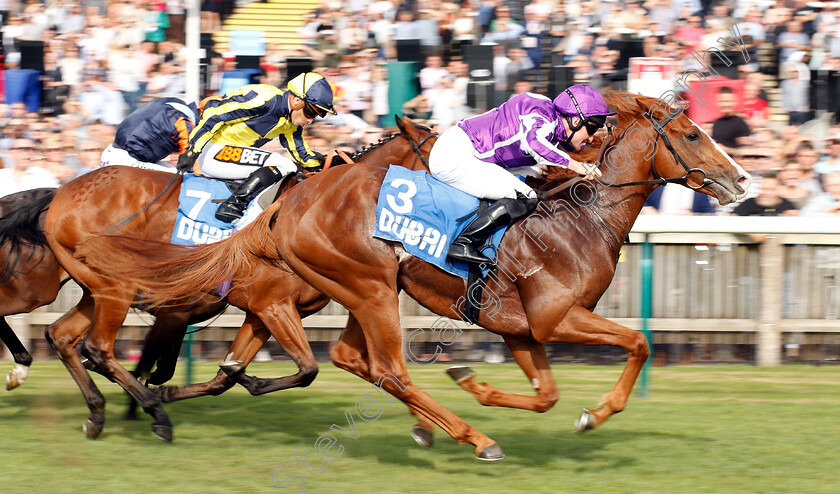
[694, 136]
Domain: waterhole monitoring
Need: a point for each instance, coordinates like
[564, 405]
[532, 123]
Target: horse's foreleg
[64, 335]
[350, 353]
[248, 341]
[383, 336]
[23, 359]
[533, 360]
[283, 321]
[583, 327]
[160, 352]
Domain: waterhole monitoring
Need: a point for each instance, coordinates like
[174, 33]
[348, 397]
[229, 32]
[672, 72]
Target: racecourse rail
[762, 281]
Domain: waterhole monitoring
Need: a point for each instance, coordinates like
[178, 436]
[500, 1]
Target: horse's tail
[22, 228]
[176, 274]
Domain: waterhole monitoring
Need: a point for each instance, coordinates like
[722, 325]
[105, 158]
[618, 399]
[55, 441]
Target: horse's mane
[384, 140]
[366, 149]
[629, 108]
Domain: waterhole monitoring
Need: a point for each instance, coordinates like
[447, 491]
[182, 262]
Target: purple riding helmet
[585, 102]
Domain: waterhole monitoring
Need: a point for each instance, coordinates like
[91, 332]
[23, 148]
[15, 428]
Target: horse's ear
[400, 124]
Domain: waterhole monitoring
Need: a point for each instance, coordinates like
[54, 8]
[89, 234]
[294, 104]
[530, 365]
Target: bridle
[417, 146]
[659, 127]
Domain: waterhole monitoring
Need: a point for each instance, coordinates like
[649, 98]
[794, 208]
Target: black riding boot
[503, 212]
[259, 180]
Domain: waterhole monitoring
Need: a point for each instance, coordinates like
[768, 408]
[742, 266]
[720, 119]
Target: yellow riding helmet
[313, 89]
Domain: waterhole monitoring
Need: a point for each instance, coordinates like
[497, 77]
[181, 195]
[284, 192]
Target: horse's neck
[619, 207]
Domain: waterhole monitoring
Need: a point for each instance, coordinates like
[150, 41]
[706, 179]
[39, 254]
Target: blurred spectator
[730, 130]
[767, 202]
[431, 74]
[379, 94]
[756, 111]
[446, 104]
[503, 29]
[791, 185]
[795, 99]
[211, 11]
[354, 93]
[807, 157]
[418, 108]
[675, 199]
[830, 160]
[72, 21]
[792, 40]
[827, 202]
[71, 67]
[688, 36]
[753, 32]
[54, 154]
[21, 170]
[100, 101]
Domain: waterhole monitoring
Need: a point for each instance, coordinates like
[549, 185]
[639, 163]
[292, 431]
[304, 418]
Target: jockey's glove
[186, 161]
[320, 158]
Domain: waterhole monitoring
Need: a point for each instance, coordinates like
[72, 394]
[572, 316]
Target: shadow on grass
[295, 419]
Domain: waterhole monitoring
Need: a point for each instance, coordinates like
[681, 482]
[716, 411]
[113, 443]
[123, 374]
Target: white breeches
[229, 161]
[115, 156]
[453, 162]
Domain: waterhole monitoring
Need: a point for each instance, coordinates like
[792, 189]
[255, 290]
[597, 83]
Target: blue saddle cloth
[422, 213]
[196, 222]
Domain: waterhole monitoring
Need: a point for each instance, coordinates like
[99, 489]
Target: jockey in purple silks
[528, 130]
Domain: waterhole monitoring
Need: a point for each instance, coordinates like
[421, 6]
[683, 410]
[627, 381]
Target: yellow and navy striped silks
[251, 116]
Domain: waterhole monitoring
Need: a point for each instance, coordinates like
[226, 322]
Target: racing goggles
[594, 123]
[312, 111]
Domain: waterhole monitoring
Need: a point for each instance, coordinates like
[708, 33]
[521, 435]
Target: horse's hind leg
[583, 327]
[533, 360]
[64, 335]
[283, 321]
[108, 317]
[23, 359]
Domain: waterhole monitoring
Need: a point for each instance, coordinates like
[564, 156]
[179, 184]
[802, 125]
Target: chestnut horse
[97, 201]
[30, 277]
[552, 267]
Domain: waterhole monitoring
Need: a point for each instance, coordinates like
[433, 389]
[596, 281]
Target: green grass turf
[710, 429]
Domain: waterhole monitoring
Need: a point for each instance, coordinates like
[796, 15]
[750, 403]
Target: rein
[147, 206]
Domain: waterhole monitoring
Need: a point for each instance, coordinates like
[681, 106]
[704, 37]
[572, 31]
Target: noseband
[659, 127]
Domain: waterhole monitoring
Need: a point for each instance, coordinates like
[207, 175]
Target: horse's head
[678, 150]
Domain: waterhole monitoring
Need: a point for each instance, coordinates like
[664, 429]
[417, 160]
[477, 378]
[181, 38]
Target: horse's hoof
[91, 430]
[232, 367]
[89, 365]
[491, 453]
[16, 376]
[162, 432]
[585, 422]
[460, 372]
[422, 437]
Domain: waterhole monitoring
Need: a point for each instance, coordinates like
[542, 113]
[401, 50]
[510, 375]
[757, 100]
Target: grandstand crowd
[104, 58]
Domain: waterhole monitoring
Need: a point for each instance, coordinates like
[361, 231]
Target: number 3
[405, 205]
